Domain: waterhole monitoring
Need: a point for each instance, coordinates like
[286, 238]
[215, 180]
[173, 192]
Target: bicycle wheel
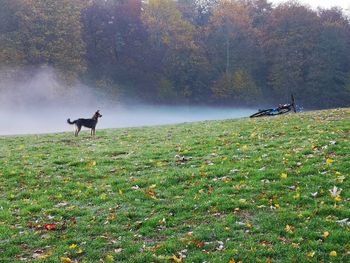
[261, 113]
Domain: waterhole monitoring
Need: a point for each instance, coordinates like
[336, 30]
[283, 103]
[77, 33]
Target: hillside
[250, 190]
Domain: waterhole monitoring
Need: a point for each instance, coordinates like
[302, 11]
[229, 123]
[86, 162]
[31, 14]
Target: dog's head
[97, 115]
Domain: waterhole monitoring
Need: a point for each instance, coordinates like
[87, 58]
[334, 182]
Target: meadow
[250, 190]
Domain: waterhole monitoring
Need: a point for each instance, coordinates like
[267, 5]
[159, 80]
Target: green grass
[242, 192]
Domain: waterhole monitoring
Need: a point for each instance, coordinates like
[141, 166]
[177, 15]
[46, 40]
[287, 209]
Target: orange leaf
[50, 227]
[198, 243]
[151, 193]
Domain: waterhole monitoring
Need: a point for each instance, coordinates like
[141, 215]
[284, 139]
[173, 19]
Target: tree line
[236, 52]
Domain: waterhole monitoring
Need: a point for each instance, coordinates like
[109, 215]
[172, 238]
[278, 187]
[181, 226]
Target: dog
[88, 123]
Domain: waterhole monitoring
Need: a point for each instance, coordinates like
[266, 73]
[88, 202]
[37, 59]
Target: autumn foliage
[234, 52]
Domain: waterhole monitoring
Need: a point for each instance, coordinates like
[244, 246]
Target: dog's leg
[77, 130]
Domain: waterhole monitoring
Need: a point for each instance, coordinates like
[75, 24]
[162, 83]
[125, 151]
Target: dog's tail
[71, 122]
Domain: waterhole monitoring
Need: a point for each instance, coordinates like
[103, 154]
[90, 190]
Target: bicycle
[281, 109]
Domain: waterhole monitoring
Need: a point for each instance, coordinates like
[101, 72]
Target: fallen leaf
[329, 161]
[175, 258]
[50, 227]
[296, 196]
[151, 193]
[198, 243]
[284, 175]
[118, 250]
[221, 246]
[110, 257]
[315, 194]
[333, 253]
[21, 258]
[289, 228]
[67, 260]
[37, 253]
[325, 234]
[266, 243]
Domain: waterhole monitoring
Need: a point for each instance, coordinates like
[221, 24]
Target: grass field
[249, 190]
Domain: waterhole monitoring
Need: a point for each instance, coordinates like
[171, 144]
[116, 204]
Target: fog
[34, 101]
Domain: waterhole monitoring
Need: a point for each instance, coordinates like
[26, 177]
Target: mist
[35, 101]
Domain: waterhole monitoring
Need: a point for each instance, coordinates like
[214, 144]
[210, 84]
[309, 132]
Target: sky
[345, 4]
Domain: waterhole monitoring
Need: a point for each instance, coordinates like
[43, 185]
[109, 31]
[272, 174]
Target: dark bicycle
[281, 109]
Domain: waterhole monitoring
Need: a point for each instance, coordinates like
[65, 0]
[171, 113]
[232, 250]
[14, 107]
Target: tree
[114, 35]
[173, 52]
[50, 33]
[289, 41]
[196, 12]
[329, 69]
[238, 87]
[232, 44]
[10, 55]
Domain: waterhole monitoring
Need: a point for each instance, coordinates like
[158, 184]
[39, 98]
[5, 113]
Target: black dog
[88, 123]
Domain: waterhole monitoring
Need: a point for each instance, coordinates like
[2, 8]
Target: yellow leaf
[163, 221]
[175, 259]
[249, 225]
[120, 192]
[329, 161]
[333, 253]
[73, 246]
[295, 245]
[43, 257]
[325, 234]
[110, 257]
[337, 198]
[232, 261]
[284, 176]
[297, 196]
[311, 254]
[289, 228]
[67, 260]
